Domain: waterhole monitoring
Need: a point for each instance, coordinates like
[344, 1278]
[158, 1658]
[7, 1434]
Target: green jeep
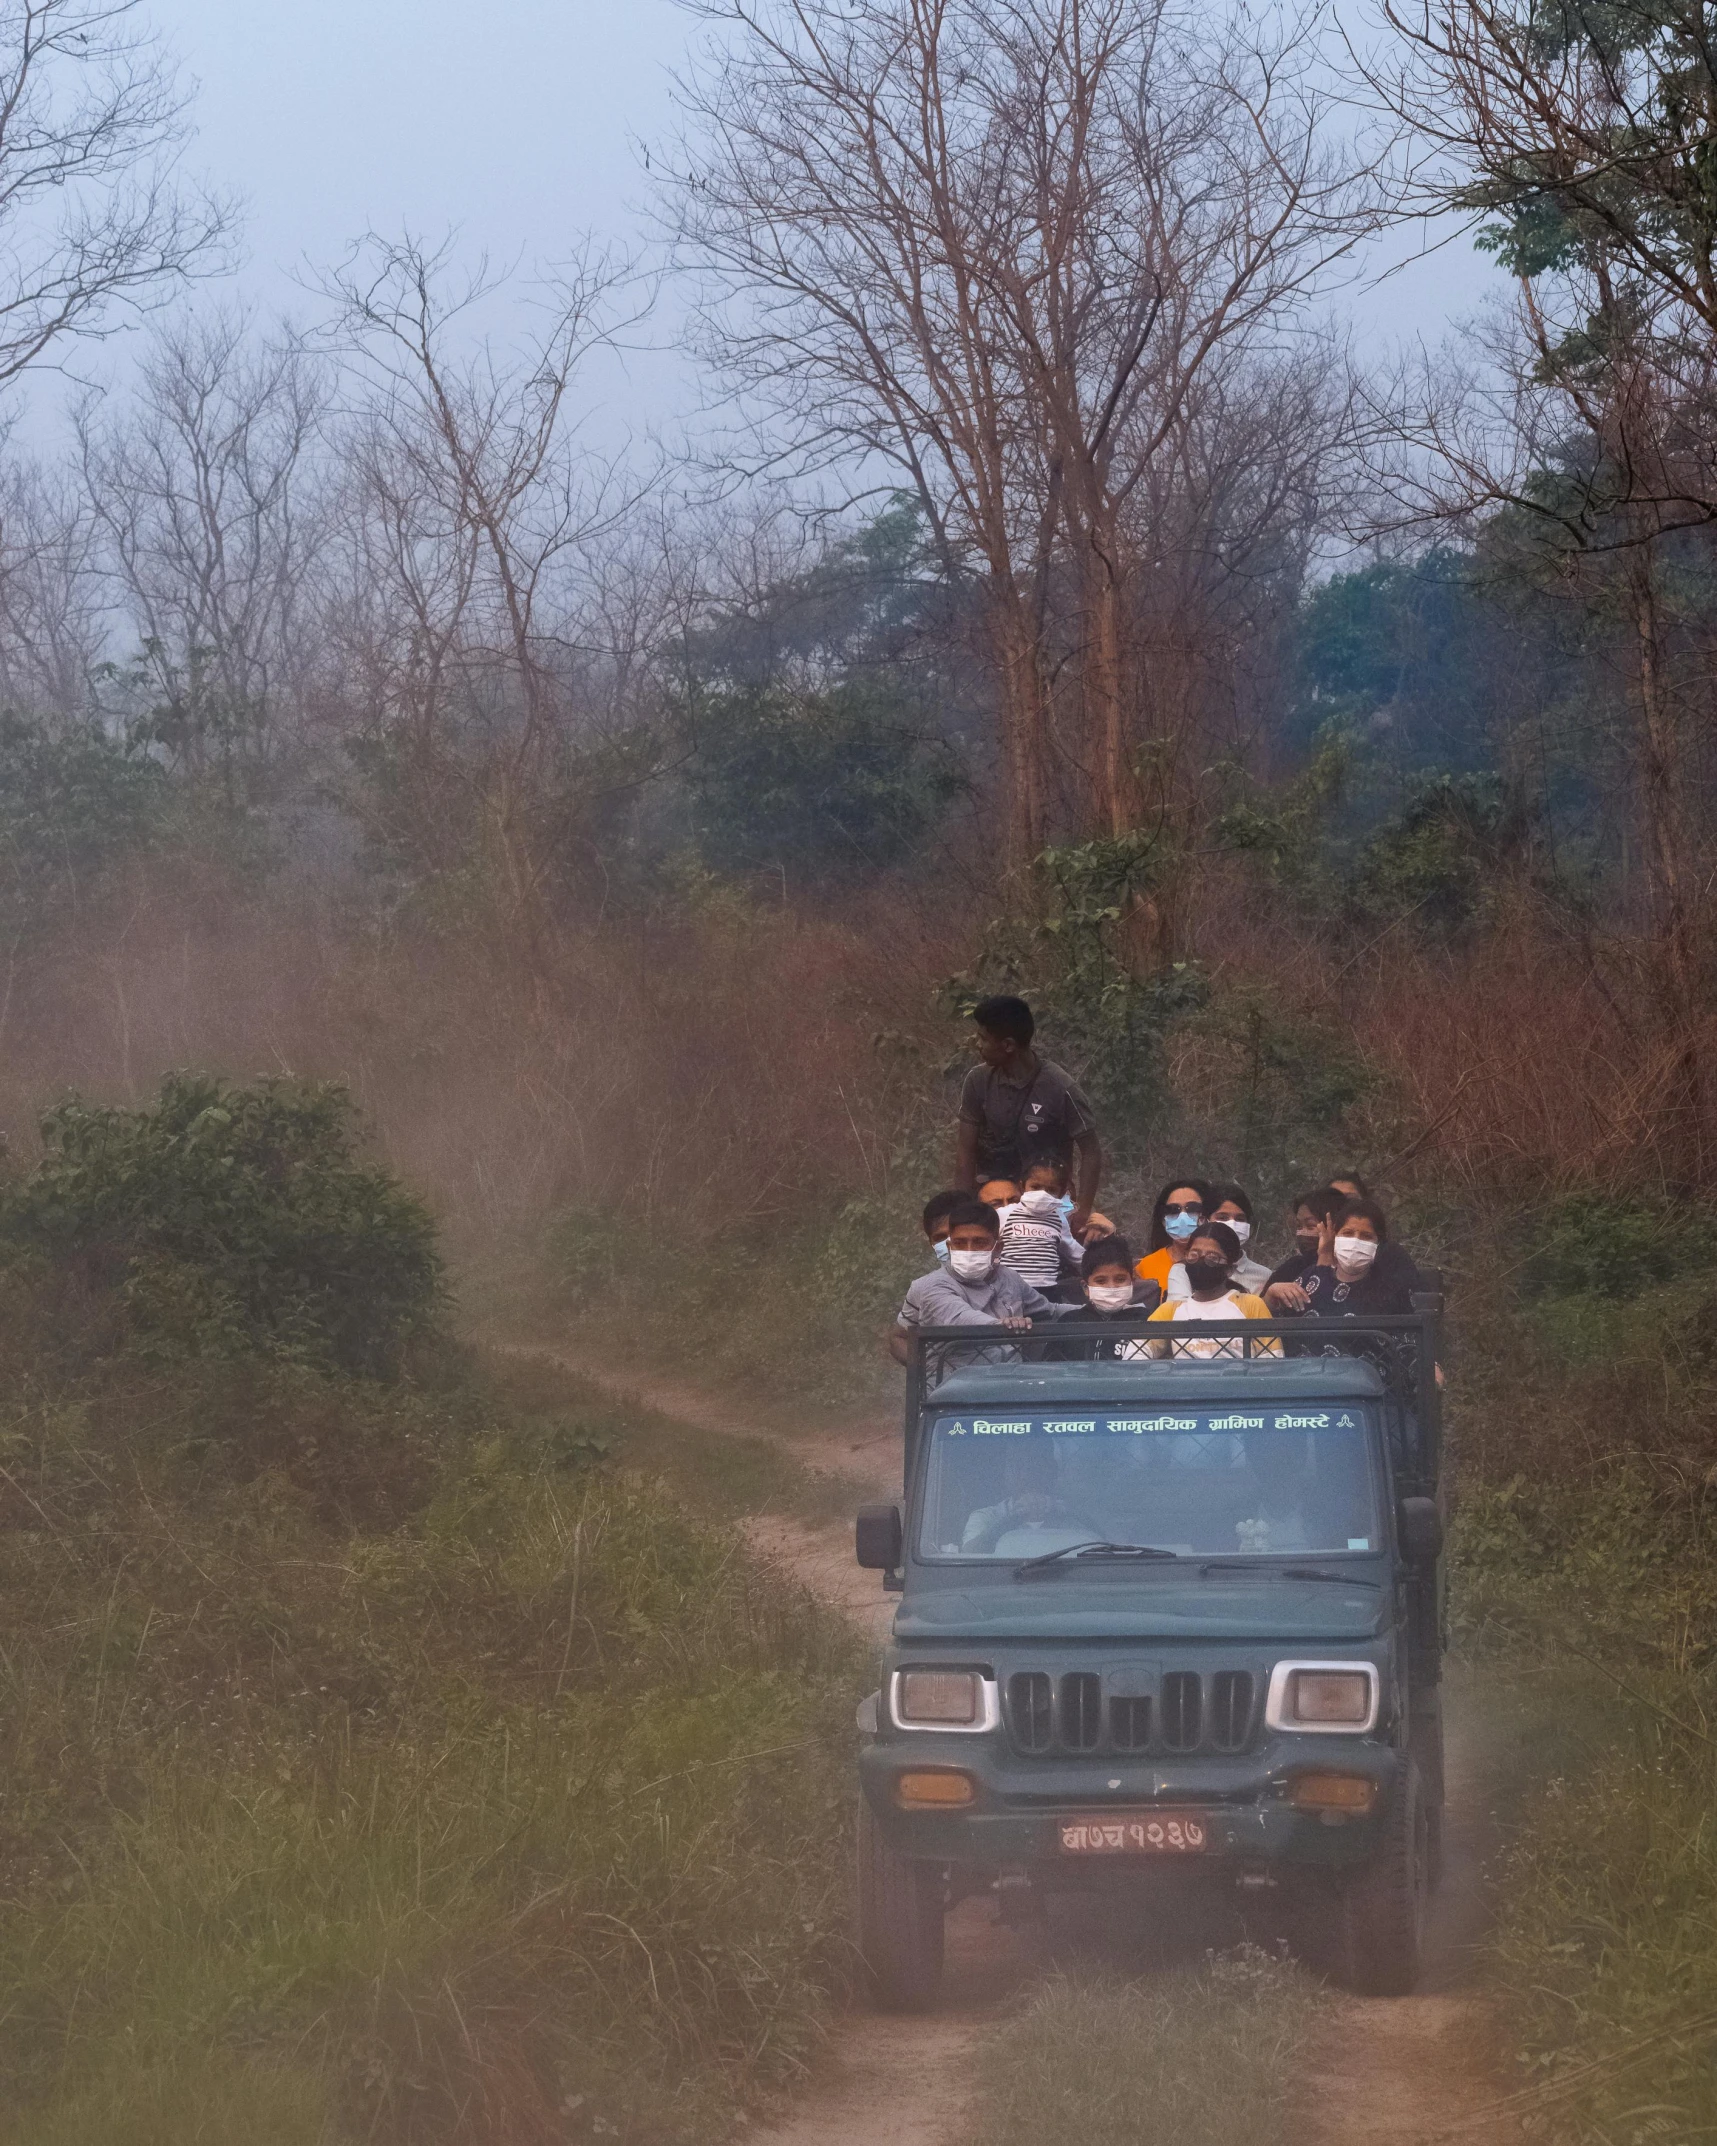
[1162, 1622]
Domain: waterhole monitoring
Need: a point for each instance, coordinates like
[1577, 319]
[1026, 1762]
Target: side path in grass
[1415, 2070]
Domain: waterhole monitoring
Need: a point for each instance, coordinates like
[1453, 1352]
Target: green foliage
[1438, 854]
[1271, 1087]
[226, 1220]
[74, 802]
[1617, 1247]
[1079, 965]
[819, 783]
[1287, 830]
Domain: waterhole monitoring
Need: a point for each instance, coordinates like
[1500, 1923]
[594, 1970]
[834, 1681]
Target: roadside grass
[724, 1473]
[396, 1765]
[1607, 1936]
[1201, 2056]
[778, 1320]
[1583, 1576]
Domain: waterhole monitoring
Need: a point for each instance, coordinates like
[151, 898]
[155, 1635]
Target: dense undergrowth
[1585, 1414]
[385, 1759]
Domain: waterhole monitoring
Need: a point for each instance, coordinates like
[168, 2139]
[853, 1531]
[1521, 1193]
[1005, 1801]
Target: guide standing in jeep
[1016, 1107]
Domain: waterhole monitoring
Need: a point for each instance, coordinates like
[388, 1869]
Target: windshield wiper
[1288, 1572]
[1095, 1548]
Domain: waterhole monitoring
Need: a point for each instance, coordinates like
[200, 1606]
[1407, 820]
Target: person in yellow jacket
[1212, 1253]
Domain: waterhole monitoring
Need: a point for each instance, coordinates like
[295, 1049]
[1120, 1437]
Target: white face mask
[1242, 1229]
[972, 1266]
[1110, 1296]
[1041, 1206]
[1353, 1255]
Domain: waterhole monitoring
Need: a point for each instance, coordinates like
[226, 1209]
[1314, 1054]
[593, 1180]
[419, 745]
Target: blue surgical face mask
[1180, 1227]
[941, 1251]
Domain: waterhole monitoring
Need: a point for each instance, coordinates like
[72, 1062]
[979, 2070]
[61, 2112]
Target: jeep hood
[1142, 1606]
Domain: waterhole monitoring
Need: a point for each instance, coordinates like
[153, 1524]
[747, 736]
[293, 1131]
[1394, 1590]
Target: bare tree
[93, 212]
[997, 247]
[209, 495]
[474, 504]
[53, 625]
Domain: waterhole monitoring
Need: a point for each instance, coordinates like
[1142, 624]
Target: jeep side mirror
[1420, 1527]
[879, 1537]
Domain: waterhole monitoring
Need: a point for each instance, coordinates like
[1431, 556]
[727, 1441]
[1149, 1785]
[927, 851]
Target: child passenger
[1112, 1294]
[1036, 1242]
[1212, 1254]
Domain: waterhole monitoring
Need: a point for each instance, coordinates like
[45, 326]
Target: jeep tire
[900, 1911]
[1367, 1930]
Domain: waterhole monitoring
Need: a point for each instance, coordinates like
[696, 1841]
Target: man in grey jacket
[974, 1289]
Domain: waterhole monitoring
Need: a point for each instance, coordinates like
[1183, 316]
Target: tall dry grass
[738, 1064]
[735, 1064]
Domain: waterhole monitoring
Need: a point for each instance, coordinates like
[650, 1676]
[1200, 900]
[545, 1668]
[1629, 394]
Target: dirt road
[1411, 2071]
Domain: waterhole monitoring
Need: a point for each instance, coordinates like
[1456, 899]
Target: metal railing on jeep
[1402, 1348]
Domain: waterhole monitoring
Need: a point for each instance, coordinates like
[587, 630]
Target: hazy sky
[516, 123]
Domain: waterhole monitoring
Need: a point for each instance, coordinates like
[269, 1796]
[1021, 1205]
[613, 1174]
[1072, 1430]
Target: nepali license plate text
[1135, 1833]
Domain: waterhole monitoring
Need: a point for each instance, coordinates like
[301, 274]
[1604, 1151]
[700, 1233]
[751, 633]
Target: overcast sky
[518, 124]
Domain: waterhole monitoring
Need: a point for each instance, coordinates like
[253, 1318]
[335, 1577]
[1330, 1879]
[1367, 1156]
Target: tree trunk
[1674, 924]
[1024, 725]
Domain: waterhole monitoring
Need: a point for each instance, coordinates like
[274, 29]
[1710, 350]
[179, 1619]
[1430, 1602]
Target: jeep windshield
[1196, 1480]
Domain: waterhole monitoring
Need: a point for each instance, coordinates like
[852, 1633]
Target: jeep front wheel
[1367, 1930]
[900, 1907]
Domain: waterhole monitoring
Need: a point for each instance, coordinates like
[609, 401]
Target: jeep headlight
[1328, 1698]
[944, 1699]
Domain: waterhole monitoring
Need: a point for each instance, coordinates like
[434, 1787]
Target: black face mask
[1206, 1273]
[1306, 1241]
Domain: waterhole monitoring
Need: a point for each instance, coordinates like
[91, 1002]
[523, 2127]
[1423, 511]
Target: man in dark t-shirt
[1016, 1107]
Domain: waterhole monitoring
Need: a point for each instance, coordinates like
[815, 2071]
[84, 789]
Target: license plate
[1136, 1833]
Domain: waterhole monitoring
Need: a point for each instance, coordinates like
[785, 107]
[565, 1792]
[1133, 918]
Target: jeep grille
[1073, 1713]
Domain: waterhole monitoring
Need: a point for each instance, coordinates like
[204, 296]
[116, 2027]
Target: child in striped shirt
[1037, 1244]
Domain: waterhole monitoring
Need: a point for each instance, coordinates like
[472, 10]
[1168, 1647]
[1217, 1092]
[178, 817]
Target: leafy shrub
[823, 783]
[1079, 966]
[1595, 1243]
[74, 801]
[227, 1221]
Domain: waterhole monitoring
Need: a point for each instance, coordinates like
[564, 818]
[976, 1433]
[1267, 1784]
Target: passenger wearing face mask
[1181, 1207]
[1351, 1278]
[937, 1209]
[1228, 1203]
[1113, 1295]
[1394, 1262]
[1037, 1244]
[1212, 1254]
[1285, 1291]
[976, 1289]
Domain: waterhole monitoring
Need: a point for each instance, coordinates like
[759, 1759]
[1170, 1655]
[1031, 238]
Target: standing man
[1016, 1106]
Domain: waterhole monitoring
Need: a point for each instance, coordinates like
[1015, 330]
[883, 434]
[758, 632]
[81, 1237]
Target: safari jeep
[1161, 1623]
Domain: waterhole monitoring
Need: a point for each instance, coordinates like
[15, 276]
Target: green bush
[74, 801]
[1594, 1242]
[822, 784]
[227, 1221]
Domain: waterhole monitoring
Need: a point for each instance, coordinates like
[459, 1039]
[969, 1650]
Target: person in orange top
[1181, 1206]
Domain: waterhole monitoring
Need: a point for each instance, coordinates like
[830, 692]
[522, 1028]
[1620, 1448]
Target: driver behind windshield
[1031, 1517]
